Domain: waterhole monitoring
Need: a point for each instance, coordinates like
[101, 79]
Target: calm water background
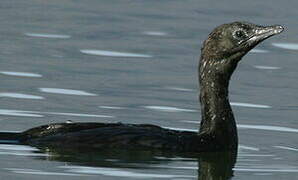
[135, 61]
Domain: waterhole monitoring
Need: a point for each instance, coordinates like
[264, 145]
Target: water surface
[135, 61]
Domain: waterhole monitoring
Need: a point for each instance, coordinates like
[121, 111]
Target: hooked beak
[261, 33]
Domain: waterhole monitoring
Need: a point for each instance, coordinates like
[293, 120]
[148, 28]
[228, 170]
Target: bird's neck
[217, 115]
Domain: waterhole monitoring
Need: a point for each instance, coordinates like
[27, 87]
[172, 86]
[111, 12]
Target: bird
[220, 54]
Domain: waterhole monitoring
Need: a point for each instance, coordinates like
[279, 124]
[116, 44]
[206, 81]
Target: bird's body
[221, 52]
[110, 135]
[118, 135]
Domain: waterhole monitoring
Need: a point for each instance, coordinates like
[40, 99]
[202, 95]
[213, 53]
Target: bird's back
[103, 135]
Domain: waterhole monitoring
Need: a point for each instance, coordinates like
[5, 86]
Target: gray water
[135, 61]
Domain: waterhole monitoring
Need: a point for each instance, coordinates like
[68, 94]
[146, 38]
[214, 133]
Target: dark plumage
[221, 52]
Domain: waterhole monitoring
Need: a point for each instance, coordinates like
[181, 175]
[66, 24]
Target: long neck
[217, 116]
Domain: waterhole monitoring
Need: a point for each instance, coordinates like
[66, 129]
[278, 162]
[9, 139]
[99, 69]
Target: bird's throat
[217, 115]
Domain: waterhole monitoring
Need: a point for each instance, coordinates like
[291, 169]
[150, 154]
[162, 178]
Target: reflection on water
[259, 127]
[20, 96]
[66, 91]
[138, 164]
[17, 147]
[21, 74]
[155, 33]
[287, 148]
[147, 164]
[55, 36]
[267, 67]
[266, 170]
[111, 107]
[168, 109]
[39, 172]
[249, 105]
[11, 112]
[179, 88]
[269, 128]
[117, 172]
[113, 53]
[290, 46]
[243, 147]
[258, 51]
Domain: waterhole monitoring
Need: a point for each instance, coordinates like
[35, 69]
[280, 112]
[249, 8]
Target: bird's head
[228, 43]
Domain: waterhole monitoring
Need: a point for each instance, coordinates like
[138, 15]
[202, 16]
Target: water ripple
[20, 150]
[54, 36]
[249, 105]
[113, 53]
[258, 51]
[266, 127]
[66, 91]
[259, 127]
[248, 148]
[11, 112]
[267, 67]
[111, 107]
[33, 154]
[22, 74]
[39, 172]
[17, 147]
[168, 109]
[290, 46]
[181, 129]
[155, 33]
[116, 172]
[20, 96]
[286, 148]
[178, 88]
[77, 114]
[265, 170]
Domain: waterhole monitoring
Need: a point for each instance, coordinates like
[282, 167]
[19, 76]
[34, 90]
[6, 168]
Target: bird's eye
[240, 34]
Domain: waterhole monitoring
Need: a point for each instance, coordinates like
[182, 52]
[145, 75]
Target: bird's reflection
[211, 166]
[216, 166]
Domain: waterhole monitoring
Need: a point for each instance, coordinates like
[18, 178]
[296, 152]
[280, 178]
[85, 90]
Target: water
[135, 61]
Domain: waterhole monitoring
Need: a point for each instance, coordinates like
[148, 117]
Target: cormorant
[221, 52]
